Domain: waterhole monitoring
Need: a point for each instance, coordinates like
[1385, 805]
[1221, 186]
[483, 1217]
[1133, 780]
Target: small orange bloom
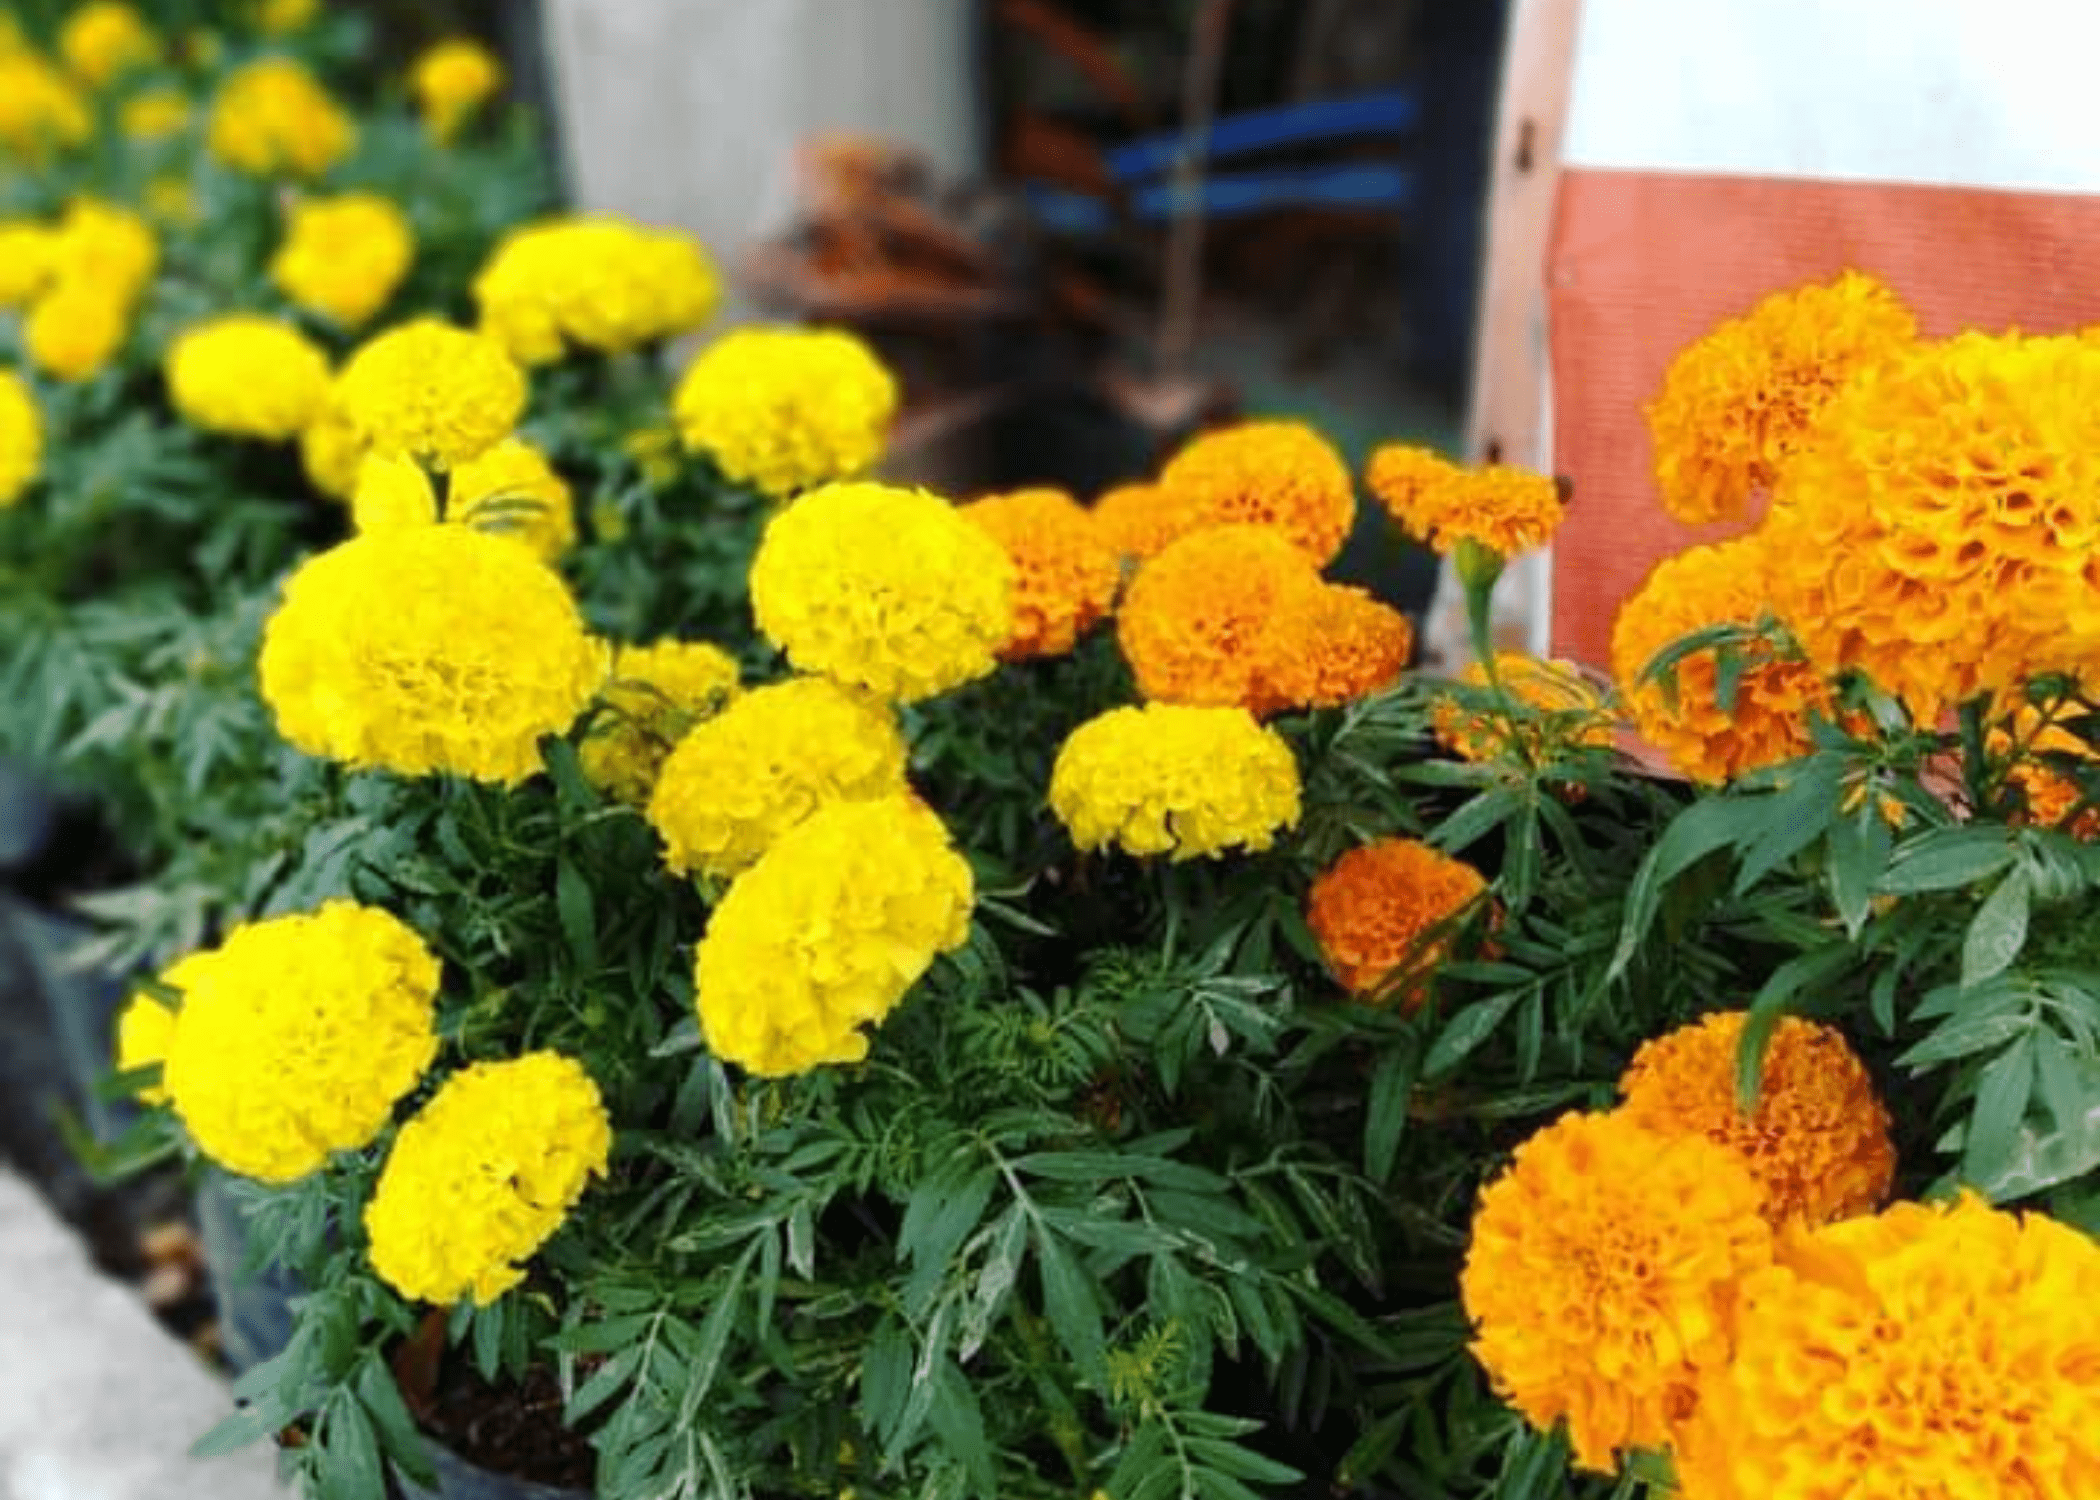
[1504, 509]
[1138, 520]
[1384, 913]
[1065, 575]
[1195, 623]
[1280, 474]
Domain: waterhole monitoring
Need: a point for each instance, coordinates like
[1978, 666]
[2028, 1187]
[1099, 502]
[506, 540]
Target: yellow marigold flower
[735, 783]
[884, 588]
[1196, 626]
[331, 450]
[298, 1035]
[283, 17]
[429, 649]
[784, 409]
[248, 377]
[1704, 738]
[74, 330]
[1385, 914]
[1818, 1139]
[1176, 780]
[2048, 797]
[513, 491]
[1503, 509]
[108, 249]
[1139, 520]
[21, 438]
[105, 38]
[827, 932]
[342, 257]
[1738, 402]
[1333, 647]
[451, 80]
[40, 109]
[391, 495]
[28, 259]
[155, 115]
[1556, 708]
[146, 1027]
[1602, 1278]
[432, 392]
[593, 282]
[1065, 575]
[483, 1175]
[271, 116]
[1280, 474]
[1943, 1349]
[656, 694]
[171, 201]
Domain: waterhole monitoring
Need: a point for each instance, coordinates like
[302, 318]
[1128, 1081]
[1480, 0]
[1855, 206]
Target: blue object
[1393, 113]
[1350, 185]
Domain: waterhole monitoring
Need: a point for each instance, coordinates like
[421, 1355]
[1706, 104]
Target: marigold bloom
[1817, 1140]
[28, 259]
[827, 932]
[2048, 797]
[1196, 623]
[1139, 520]
[735, 783]
[1943, 1349]
[1704, 738]
[429, 391]
[393, 493]
[248, 377]
[1556, 709]
[1506, 510]
[451, 80]
[483, 1176]
[883, 588]
[146, 1027]
[784, 409]
[298, 1035]
[74, 330]
[594, 283]
[21, 438]
[155, 115]
[1333, 647]
[1065, 575]
[1738, 402]
[40, 108]
[1602, 1278]
[655, 695]
[1384, 915]
[429, 649]
[104, 247]
[343, 257]
[1176, 780]
[331, 450]
[1280, 474]
[512, 490]
[271, 116]
[104, 38]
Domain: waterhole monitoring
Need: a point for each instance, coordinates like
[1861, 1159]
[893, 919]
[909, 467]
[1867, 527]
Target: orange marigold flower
[1944, 1349]
[1735, 404]
[1818, 1138]
[1194, 625]
[1503, 509]
[1704, 738]
[1333, 647]
[1065, 574]
[2048, 797]
[1602, 1279]
[1384, 915]
[1556, 709]
[1280, 474]
[1139, 520]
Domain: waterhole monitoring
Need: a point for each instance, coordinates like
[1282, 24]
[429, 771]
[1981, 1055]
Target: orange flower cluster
[1704, 738]
[1065, 572]
[1503, 509]
[1384, 914]
[1736, 404]
[2050, 798]
[1138, 520]
[1280, 474]
[1566, 711]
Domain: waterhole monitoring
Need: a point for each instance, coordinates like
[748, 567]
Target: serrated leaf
[1072, 1306]
[1998, 931]
[1946, 859]
[2001, 1104]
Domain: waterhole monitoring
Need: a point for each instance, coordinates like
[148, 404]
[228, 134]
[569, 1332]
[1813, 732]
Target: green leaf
[353, 1469]
[2036, 1159]
[1385, 1110]
[579, 916]
[959, 1424]
[1705, 826]
[1964, 1036]
[605, 1382]
[246, 1426]
[1998, 932]
[488, 1340]
[944, 1208]
[2001, 1104]
[1072, 1306]
[1476, 819]
[1467, 1030]
[1946, 859]
[1856, 854]
[1794, 817]
[397, 1431]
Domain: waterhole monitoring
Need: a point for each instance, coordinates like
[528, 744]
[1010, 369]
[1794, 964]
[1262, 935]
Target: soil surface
[512, 1429]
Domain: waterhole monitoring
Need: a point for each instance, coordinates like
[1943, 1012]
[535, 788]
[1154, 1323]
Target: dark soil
[510, 1429]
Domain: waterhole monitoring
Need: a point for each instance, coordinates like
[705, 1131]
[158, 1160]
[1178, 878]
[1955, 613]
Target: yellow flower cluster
[1704, 738]
[104, 38]
[295, 1037]
[82, 281]
[483, 1176]
[271, 116]
[595, 283]
[656, 693]
[1385, 916]
[399, 649]
[40, 108]
[1818, 1139]
[1735, 405]
[21, 438]
[509, 490]
[247, 376]
[827, 932]
[155, 115]
[783, 409]
[737, 782]
[883, 588]
[342, 257]
[1174, 779]
[1268, 473]
[451, 80]
[1065, 574]
[428, 391]
[1556, 709]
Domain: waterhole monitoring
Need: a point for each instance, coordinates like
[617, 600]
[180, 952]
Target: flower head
[1138, 520]
[2049, 798]
[451, 80]
[298, 1035]
[593, 283]
[1280, 474]
[511, 490]
[827, 932]
[1385, 915]
[783, 409]
[74, 330]
[483, 1176]
[1065, 575]
[1333, 646]
[432, 392]
[655, 695]
[104, 38]
[21, 438]
[393, 493]
[331, 450]
[28, 259]
[248, 377]
[1198, 621]
[1502, 509]
[40, 108]
[155, 115]
[738, 781]
[104, 248]
[1602, 1278]
[1176, 780]
[272, 117]
[884, 588]
[429, 649]
[342, 257]
[1556, 708]
[1737, 403]
[1817, 1140]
